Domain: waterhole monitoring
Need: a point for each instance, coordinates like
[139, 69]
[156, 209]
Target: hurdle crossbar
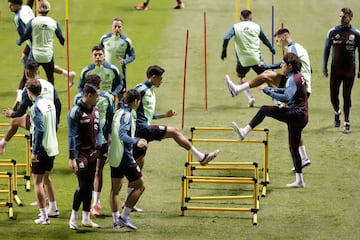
[7, 163]
[189, 178]
[264, 169]
[27, 164]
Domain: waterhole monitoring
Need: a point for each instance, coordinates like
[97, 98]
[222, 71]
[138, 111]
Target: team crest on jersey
[337, 36]
[351, 37]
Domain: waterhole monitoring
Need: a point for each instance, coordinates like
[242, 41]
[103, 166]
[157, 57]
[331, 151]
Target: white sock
[85, 216]
[115, 215]
[299, 178]
[64, 72]
[302, 152]
[242, 87]
[199, 155]
[248, 94]
[74, 215]
[96, 197]
[125, 212]
[43, 213]
[129, 191]
[247, 129]
[2, 142]
[52, 206]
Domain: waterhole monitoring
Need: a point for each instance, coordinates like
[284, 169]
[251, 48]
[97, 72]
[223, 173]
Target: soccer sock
[125, 212]
[2, 142]
[302, 152]
[52, 206]
[129, 191]
[243, 87]
[115, 215]
[74, 215]
[247, 129]
[96, 198]
[85, 216]
[248, 94]
[43, 213]
[299, 178]
[199, 155]
[64, 72]
[146, 2]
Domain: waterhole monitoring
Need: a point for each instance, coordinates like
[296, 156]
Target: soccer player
[295, 115]
[19, 118]
[118, 50]
[106, 112]
[274, 79]
[85, 140]
[344, 39]
[144, 5]
[146, 112]
[44, 149]
[110, 79]
[23, 14]
[122, 162]
[41, 30]
[144, 115]
[247, 36]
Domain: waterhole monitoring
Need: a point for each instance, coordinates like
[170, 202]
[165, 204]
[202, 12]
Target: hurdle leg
[9, 191]
[28, 161]
[12, 163]
[266, 180]
[16, 197]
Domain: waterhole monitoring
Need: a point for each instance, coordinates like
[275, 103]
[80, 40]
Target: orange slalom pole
[184, 83]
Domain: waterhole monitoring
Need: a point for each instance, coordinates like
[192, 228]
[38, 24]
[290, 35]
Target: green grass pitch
[326, 209]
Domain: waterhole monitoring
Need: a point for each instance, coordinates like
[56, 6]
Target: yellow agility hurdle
[233, 166]
[9, 192]
[264, 169]
[7, 163]
[27, 164]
